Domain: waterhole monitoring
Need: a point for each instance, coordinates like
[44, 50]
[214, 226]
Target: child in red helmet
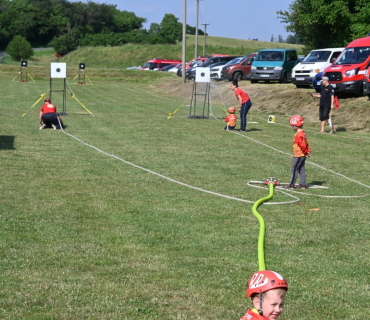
[267, 289]
[301, 150]
[231, 119]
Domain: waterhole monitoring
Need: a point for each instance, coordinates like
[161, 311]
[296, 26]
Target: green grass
[137, 55]
[87, 236]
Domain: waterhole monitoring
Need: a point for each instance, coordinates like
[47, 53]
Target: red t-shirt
[231, 120]
[251, 315]
[242, 93]
[300, 144]
[46, 109]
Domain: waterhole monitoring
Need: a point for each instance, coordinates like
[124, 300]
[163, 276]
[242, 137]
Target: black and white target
[202, 74]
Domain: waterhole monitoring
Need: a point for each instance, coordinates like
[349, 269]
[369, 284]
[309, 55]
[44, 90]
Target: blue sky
[241, 19]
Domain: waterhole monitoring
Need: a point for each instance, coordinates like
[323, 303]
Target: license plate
[300, 79]
[333, 85]
[264, 75]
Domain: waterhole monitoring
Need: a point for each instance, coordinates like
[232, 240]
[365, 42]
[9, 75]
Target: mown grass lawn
[85, 235]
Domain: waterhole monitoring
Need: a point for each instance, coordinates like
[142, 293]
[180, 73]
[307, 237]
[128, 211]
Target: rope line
[312, 163]
[296, 199]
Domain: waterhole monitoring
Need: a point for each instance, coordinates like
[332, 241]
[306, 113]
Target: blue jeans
[243, 114]
[50, 118]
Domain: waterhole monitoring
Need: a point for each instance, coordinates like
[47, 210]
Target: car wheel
[237, 76]
[284, 79]
[254, 81]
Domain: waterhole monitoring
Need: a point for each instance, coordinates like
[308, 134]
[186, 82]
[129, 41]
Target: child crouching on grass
[301, 150]
[231, 119]
[267, 289]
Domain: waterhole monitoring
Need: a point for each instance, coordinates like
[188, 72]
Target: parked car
[167, 68]
[134, 68]
[347, 73]
[316, 61]
[273, 65]
[217, 58]
[190, 72]
[216, 69]
[175, 68]
[239, 70]
[299, 60]
[156, 64]
[316, 81]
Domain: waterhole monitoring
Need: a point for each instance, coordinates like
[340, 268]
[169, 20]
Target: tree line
[327, 23]
[66, 25]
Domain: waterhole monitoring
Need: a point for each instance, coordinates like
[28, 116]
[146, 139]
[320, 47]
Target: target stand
[58, 73]
[81, 74]
[24, 75]
[202, 77]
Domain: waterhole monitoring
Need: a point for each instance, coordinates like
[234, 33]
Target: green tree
[327, 23]
[63, 44]
[125, 21]
[272, 38]
[171, 29]
[192, 30]
[19, 48]
[293, 39]
[280, 38]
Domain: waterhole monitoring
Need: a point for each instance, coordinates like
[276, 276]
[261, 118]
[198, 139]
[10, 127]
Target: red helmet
[266, 280]
[296, 121]
[231, 110]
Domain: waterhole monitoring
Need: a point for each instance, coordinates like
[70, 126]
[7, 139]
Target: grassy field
[85, 235]
[137, 55]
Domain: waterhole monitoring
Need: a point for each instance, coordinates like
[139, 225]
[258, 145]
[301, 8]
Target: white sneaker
[43, 127]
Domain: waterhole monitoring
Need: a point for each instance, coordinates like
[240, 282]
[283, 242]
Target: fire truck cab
[347, 73]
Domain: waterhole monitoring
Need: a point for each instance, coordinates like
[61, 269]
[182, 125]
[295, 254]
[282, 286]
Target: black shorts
[324, 113]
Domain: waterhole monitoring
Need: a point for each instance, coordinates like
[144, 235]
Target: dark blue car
[316, 81]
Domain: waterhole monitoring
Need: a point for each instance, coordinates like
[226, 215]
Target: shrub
[63, 44]
[19, 48]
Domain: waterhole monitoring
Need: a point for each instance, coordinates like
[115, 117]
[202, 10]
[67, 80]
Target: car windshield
[353, 55]
[234, 61]
[196, 63]
[150, 65]
[270, 56]
[317, 56]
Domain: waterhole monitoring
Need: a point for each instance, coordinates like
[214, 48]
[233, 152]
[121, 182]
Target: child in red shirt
[231, 119]
[267, 289]
[301, 150]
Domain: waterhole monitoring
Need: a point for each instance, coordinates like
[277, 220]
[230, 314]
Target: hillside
[283, 101]
[136, 55]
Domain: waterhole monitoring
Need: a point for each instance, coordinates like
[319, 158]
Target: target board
[202, 74]
[58, 70]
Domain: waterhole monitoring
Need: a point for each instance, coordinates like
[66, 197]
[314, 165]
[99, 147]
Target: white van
[316, 61]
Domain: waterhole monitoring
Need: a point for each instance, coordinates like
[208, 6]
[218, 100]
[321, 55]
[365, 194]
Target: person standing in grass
[245, 104]
[231, 119]
[267, 289]
[301, 150]
[326, 96]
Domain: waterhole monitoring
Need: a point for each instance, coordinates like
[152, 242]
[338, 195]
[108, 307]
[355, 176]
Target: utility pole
[196, 30]
[204, 43]
[183, 67]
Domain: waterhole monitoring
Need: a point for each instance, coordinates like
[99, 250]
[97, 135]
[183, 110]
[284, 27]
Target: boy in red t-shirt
[231, 119]
[301, 150]
[267, 289]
